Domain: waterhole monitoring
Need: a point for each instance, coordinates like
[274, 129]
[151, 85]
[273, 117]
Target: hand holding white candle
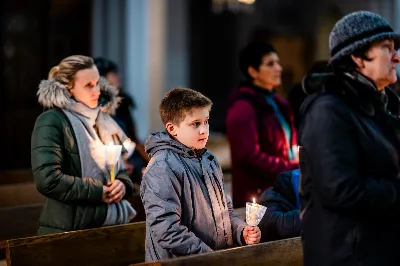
[112, 155]
[254, 213]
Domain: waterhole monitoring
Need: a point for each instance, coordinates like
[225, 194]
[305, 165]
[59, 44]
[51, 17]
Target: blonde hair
[65, 71]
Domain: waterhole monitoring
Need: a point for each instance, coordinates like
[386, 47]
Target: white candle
[112, 155]
[254, 212]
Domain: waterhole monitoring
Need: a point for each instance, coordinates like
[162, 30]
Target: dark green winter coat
[72, 202]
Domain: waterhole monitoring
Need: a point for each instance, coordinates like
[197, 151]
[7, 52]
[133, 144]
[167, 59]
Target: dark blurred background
[158, 44]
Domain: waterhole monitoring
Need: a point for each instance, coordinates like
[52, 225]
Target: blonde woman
[68, 151]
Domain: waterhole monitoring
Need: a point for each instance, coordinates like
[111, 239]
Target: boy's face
[193, 130]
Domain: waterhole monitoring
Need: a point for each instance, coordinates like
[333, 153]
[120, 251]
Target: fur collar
[54, 94]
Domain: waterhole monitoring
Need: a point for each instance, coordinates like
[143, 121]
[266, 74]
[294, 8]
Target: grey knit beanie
[357, 30]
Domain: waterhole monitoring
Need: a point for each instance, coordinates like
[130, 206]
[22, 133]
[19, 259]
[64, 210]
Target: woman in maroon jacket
[260, 125]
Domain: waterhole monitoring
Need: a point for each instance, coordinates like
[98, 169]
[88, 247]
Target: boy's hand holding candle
[254, 213]
[252, 235]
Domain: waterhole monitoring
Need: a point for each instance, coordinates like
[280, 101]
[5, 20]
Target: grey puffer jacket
[187, 211]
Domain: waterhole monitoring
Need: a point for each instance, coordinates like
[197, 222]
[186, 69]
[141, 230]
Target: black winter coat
[349, 159]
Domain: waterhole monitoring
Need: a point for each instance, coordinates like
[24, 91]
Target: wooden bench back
[19, 194]
[287, 252]
[21, 205]
[112, 245]
[19, 221]
[15, 176]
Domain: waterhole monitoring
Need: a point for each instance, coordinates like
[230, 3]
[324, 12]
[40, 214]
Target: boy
[187, 211]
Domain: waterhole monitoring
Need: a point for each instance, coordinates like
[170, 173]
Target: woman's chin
[93, 105]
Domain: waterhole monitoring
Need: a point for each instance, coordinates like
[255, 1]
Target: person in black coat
[350, 149]
[139, 159]
[282, 217]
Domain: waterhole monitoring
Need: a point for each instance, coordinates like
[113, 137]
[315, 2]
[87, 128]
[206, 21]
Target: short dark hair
[346, 63]
[252, 55]
[105, 66]
[178, 102]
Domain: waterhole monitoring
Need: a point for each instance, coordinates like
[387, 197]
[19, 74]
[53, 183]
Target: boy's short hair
[178, 102]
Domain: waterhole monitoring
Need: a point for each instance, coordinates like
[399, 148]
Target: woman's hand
[117, 191]
[106, 192]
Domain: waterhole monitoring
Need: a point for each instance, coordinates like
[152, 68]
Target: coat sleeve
[47, 147]
[237, 224]
[330, 153]
[161, 196]
[278, 218]
[242, 133]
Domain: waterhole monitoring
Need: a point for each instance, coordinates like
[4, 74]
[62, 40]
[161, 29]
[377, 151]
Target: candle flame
[254, 200]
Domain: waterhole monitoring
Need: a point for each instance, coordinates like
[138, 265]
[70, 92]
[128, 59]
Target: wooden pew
[19, 194]
[21, 204]
[26, 194]
[15, 176]
[21, 220]
[112, 245]
[287, 252]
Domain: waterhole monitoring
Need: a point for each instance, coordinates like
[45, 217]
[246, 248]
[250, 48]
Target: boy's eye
[195, 124]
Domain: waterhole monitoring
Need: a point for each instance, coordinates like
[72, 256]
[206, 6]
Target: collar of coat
[356, 90]
[256, 95]
[52, 94]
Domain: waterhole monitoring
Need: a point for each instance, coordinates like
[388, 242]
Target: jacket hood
[284, 185]
[52, 94]
[315, 82]
[163, 141]
[285, 189]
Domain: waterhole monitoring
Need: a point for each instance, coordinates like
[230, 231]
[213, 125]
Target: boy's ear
[171, 129]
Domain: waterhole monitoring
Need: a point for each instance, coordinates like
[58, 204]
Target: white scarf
[93, 130]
